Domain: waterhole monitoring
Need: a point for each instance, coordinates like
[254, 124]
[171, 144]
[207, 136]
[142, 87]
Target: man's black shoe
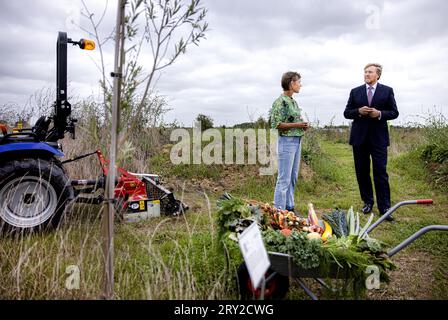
[389, 217]
[367, 208]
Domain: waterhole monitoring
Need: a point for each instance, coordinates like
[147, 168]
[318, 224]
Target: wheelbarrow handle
[415, 236]
[395, 207]
[425, 201]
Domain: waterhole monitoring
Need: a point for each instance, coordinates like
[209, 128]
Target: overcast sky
[234, 74]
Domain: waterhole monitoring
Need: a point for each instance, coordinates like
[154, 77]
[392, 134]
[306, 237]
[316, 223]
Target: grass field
[178, 258]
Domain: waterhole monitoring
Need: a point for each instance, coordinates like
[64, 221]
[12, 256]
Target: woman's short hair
[288, 77]
[379, 68]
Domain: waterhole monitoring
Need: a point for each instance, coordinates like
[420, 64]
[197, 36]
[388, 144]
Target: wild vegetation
[179, 258]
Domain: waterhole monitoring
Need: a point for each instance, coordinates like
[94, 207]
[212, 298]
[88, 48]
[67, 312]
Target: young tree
[261, 123]
[205, 122]
[164, 29]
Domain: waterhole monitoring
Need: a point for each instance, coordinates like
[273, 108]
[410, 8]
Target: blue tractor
[34, 186]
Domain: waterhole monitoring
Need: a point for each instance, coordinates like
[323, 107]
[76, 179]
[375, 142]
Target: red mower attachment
[137, 195]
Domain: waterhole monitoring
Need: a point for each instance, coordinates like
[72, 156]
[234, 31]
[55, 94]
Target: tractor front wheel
[33, 194]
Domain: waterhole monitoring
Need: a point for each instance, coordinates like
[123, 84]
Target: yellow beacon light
[87, 44]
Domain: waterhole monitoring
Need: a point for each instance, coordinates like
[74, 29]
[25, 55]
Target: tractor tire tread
[55, 175]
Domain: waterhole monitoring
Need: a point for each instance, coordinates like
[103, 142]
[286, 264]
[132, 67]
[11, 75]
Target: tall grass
[166, 258]
[177, 258]
[33, 266]
[435, 150]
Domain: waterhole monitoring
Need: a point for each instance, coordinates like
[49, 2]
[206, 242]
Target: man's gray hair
[379, 68]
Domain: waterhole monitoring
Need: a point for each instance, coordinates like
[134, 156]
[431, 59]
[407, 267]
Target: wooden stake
[109, 212]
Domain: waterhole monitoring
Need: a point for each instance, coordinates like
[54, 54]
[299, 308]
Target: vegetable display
[338, 222]
[337, 240]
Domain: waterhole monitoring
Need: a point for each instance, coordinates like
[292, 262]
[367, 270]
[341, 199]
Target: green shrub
[311, 146]
[435, 152]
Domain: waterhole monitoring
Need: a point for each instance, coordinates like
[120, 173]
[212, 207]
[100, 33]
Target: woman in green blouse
[286, 117]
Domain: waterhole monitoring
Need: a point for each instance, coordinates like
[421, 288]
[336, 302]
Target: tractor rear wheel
[33, 194]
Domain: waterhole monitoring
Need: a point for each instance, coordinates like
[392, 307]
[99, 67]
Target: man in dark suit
[370, 106]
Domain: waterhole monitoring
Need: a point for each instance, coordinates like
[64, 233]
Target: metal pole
[108, 217]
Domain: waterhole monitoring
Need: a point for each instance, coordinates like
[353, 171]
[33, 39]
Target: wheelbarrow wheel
[276, 288]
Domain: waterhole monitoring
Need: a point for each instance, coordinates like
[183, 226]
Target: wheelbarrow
[276, 283]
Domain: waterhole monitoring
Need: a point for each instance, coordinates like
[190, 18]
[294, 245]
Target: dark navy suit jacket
[366, 129]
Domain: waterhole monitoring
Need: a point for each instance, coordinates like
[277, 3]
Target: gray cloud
[234, 74]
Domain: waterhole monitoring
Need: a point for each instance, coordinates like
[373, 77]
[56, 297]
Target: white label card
[254, 253]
